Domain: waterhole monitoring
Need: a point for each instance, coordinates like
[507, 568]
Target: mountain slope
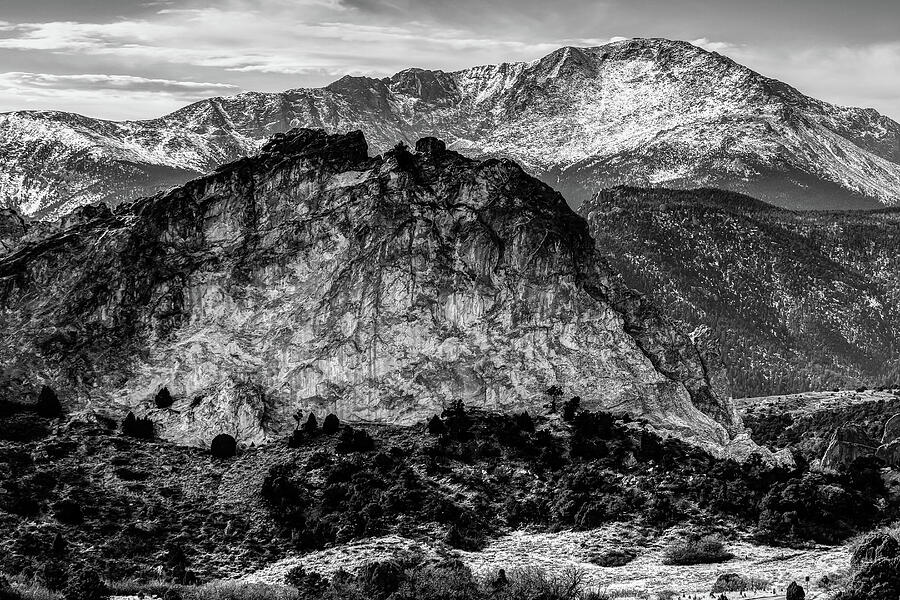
[796, 301]
[314, 277]
[639, 112]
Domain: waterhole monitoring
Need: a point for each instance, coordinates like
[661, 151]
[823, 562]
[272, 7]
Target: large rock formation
[312, 276]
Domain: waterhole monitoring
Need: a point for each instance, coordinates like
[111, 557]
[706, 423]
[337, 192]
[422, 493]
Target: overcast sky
[140, 58]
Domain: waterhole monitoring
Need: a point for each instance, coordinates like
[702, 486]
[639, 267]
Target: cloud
[243, 38]
[24, 81]
[113, 96]
[726, 48]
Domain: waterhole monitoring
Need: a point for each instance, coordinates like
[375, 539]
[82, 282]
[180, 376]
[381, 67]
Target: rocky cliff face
[637, 112]
[312, 276]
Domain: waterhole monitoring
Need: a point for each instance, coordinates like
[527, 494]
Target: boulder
[891, 430]
[889, 453]
[848, 442]
[876, 546]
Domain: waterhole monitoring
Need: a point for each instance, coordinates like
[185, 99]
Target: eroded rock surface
[314, 277]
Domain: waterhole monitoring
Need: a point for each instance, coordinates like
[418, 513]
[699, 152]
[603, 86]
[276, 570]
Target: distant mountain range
[645, 112]
[795, 301]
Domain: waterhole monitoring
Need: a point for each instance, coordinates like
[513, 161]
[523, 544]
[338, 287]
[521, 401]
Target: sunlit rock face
[314, 277]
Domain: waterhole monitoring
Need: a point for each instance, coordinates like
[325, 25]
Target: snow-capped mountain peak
[637, 112]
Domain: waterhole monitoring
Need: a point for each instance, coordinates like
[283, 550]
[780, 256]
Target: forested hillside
[794, 301]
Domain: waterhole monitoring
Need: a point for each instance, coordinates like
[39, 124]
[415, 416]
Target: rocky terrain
[829, 429]
[639, 112]
[794, 301]
[314, 277]
[571, 498]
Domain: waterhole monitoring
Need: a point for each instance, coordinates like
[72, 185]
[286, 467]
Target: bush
[7, 592]
[355, 440]
[436, 426]
[85, 584]
[308, 583]
[53, 575]
[163, 398]
[570, 408]
[331, 424]
[223, 446]
[734, 582]
[67, 511]
[697, 551]
[524, 422]
[794, 592]
[448, 580]
[311, 426]
[138, 428]
[295, 440]
[235, 590]
[614, 558]
[48, 405]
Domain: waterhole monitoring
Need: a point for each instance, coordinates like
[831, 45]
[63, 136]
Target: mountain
[639, 112]
[314, 277]
[795, 301]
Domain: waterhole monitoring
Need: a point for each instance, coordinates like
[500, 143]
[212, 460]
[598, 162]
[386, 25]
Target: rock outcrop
[848, 443]
[314, 277]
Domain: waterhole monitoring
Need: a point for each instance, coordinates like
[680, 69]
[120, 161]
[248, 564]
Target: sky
[132, 59]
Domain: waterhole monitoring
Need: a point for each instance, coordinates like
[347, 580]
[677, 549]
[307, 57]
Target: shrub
[138, 428]
[67, 511]
[381, 579]
[235, 590]
[447, 580]
[355, 440]
[308, 583]
[223, 446]
[535, 584]
[524, 422]
[794, 592]
[331, 424]
[295, 440]
[436, 426]
[312, 425]
[7, 592]
[163, 398]
[48, 405]
[53, 575]
[59, 543]
[614, 558]
[85, 584]
[734, 582]
[570, 408]
[697, 551]
[465, 535]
